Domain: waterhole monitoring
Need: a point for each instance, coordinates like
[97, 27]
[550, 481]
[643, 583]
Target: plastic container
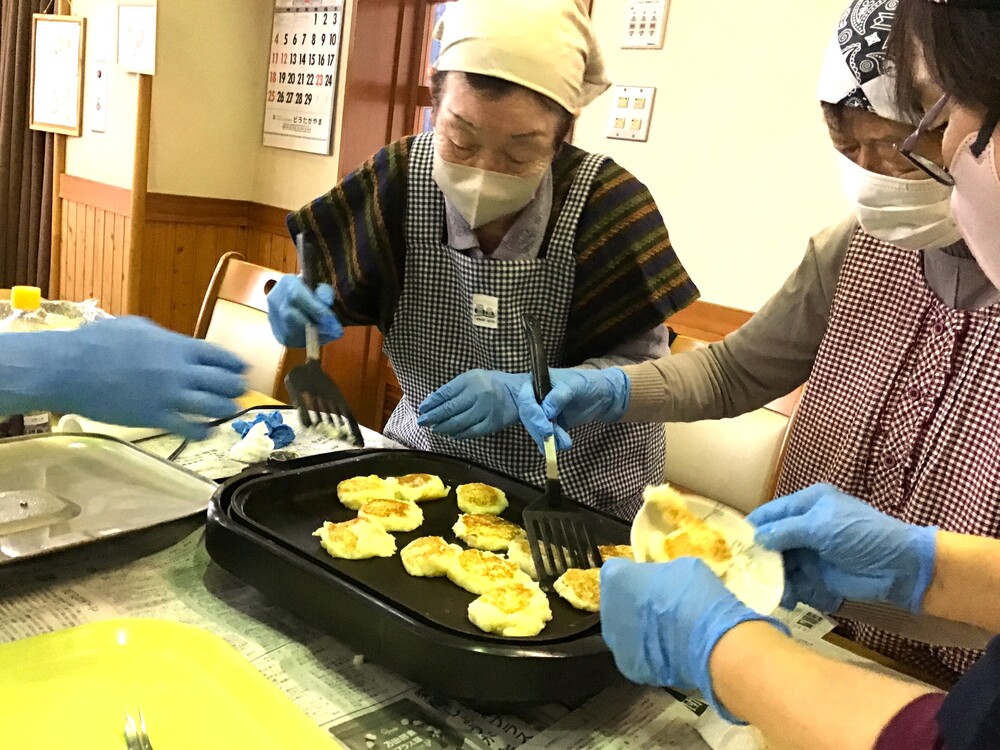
[26, 316]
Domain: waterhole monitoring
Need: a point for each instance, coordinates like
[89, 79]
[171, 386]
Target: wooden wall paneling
[107, 263]
[182, 314]
[89, 251]
[97, 273]
[66, 262]
[289, 259]
[206, 258]
[121, 243]
[80, 250]
[161, 272]
[276, 254]
[229, 240]
[254, 238]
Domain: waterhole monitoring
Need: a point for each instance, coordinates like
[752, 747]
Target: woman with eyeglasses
[445, 239]
[891, 318]
[676, 624]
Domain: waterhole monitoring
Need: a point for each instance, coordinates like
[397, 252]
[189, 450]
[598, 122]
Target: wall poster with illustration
[57, 51]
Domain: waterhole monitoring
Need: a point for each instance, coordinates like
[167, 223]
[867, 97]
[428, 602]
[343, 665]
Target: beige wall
[208, 96]
[738, 158]
[104, 157]
[208, 109]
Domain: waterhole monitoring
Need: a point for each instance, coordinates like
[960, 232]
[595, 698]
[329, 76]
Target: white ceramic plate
[757, 575]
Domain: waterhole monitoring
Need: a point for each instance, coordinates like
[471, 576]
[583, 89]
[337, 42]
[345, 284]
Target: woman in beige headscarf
[444, 239]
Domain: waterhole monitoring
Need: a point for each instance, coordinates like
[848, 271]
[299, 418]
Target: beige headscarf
[547, 46]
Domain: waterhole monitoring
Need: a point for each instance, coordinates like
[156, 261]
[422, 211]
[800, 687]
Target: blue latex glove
[845, 549]
[577, 397]
[125, 371]
[662, 621]
[473, 404]
[279, 432]
[291, 305]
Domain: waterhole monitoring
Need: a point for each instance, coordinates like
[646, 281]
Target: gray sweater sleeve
[768, 357]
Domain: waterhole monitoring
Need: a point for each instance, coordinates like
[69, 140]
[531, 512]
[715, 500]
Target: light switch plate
[99, 102]
[645, 23]
[631, 110]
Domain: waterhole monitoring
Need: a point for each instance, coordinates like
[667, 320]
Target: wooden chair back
[234, 315]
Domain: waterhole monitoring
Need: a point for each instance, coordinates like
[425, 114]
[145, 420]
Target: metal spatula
[311, 390]
[557, 531]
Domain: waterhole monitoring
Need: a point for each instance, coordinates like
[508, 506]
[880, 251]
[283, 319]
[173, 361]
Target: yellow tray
[69, 690]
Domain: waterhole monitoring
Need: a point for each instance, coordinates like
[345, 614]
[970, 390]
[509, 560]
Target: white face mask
[481, 196]
[911, 214]
[976, 204]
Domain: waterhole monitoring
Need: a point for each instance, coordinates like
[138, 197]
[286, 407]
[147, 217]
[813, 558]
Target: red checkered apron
[903, 411]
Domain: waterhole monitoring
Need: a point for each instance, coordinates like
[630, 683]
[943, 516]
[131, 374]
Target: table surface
[166, 573]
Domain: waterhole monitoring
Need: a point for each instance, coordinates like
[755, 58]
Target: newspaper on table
[166, 573]
[210, 457]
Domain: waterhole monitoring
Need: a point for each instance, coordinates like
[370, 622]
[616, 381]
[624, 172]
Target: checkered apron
[433, 339]
[903, 411]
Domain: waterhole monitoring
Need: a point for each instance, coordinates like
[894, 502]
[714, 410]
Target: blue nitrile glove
[578, 396]
[846, 549]
[125, 371]
[473, 404]
[291, 305]
[662, 621]
[279, 432]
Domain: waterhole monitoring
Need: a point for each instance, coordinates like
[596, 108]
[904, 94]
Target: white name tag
[485, 311]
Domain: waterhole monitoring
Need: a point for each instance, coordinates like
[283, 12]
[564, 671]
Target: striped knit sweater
[628, 279]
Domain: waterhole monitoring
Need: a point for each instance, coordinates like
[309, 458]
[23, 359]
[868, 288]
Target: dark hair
[497, 88]
[961, 48]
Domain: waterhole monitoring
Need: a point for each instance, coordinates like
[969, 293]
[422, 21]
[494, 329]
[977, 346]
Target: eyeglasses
[925, 165]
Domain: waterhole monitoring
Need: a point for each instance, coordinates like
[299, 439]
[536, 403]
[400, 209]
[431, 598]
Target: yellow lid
[26, 298]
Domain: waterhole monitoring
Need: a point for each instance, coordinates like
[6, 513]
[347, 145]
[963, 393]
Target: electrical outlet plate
[631, 110]
[645, 23]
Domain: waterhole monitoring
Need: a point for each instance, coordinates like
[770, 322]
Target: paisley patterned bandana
[980, 4]
[855, 70]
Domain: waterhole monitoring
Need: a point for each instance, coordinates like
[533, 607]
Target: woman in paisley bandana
[889, 318]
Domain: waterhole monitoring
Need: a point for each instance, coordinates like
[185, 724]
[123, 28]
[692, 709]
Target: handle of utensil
[308, 261]
[539, 362]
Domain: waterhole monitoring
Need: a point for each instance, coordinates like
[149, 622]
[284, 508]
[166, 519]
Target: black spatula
[311, 390]
[557, 531]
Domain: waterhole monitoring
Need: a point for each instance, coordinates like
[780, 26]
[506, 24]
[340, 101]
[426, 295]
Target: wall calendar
[302, 74]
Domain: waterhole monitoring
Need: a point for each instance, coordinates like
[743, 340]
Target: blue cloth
[279, 432]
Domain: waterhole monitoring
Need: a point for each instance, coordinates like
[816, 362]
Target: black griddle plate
[289, 507]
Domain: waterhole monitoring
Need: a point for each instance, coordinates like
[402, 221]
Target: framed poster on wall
[137, 37]
[56, 96]
[302, 74]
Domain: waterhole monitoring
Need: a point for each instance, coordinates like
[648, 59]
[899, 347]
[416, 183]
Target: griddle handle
[536, 350]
